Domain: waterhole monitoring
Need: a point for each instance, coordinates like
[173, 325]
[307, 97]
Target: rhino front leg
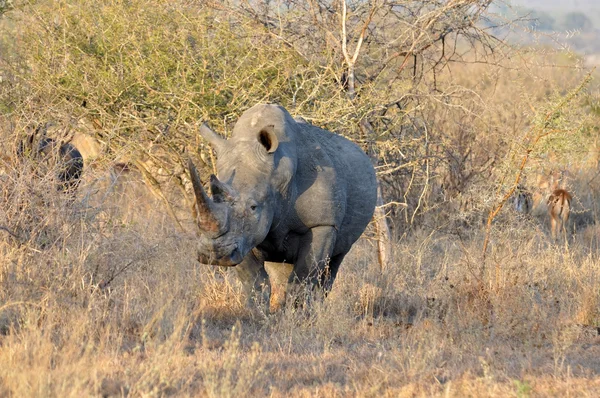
[316, 247]
[279, 274]
[255, 280]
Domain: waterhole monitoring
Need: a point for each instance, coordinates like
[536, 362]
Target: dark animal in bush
[64, 157]
[523, 200]
[69, 163]
[286, 192]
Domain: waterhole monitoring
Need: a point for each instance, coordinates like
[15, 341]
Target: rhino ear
[268, 139]
[217, 142]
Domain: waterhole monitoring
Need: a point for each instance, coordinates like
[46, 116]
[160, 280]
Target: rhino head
[247, 194]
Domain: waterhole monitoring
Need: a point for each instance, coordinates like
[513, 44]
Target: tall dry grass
[102, 296]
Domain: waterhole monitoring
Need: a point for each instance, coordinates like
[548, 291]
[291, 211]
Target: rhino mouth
[213, 223]
[229, 256]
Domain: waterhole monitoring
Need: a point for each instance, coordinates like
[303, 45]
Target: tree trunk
[384, 246]
[384, 236]
[384, 242]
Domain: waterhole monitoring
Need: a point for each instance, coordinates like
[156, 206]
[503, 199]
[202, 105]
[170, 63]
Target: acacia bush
[142, 75]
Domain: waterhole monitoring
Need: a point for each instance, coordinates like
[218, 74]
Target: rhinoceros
[286, 192]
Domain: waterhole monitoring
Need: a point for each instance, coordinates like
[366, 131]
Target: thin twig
[11, 233]
[104, 284]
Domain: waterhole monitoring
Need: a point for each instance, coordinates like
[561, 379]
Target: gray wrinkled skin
[286, 192]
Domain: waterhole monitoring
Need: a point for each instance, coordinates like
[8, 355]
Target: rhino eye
[253, 207]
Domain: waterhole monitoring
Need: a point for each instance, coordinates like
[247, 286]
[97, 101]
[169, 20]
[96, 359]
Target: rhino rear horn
[211, 217]
[215, 140]
[221, 191]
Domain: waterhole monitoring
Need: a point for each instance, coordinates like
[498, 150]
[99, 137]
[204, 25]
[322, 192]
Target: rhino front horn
[211, 217]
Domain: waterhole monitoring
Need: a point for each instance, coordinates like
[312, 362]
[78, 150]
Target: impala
[559, 208]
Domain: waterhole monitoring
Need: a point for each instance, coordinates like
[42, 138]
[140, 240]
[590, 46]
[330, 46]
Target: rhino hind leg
[313, 265]
[330, 273]
[255, 280]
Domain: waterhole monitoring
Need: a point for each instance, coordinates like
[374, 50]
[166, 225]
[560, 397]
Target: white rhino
[286, 192]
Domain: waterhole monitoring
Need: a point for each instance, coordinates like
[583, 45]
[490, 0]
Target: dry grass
[74, 322]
